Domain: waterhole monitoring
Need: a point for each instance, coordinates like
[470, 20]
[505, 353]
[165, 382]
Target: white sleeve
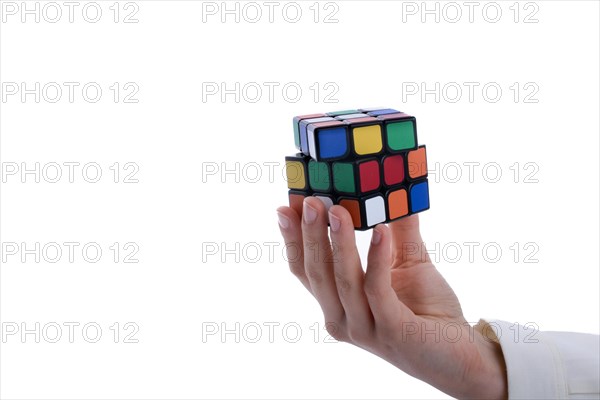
[548, 365]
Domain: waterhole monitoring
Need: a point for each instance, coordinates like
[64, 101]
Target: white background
[375, 54]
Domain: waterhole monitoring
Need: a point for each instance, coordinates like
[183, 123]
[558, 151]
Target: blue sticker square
[383, 112]
[303, 125]
[419, 197]
[333, 142]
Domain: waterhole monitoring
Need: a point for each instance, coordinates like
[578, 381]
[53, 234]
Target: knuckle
[342, 283]
[357, 334]
[372, 290]
[294, 253]
[335, 331]
[311, 250]
[314, 276]
[297, 270]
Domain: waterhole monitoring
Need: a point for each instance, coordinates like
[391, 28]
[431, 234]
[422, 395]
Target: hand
[401, 309]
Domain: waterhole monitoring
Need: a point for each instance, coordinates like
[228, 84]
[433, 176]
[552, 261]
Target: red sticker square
[369, 176]
[393, 170]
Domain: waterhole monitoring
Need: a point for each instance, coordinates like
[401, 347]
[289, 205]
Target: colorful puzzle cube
[366, 160]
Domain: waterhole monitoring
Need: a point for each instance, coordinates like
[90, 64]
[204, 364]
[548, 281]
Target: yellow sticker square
[367, 139]
[294, 171]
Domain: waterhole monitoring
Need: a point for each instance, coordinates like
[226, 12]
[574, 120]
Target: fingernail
[284, 221]
[334, 222]
[309, 214]
[376, 237]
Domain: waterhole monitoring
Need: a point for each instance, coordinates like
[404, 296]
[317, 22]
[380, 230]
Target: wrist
[491, 382]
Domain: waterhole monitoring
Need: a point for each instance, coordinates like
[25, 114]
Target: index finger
[290, 226]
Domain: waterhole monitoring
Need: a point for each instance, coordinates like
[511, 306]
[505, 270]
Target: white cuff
[548, 365]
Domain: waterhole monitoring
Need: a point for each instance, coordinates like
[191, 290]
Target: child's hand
[401, 309]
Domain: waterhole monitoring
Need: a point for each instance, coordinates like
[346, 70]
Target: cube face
[318, 176]
[417, 163]
[393, 169]
[366, 160]
[419, 196]
[367, 139]
[296, 172]
[400, 135]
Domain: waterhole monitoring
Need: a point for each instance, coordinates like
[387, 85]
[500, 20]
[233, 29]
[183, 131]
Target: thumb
[407, 243]
[387, 310]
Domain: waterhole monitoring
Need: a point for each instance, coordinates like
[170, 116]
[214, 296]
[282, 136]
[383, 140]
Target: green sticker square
[342, 112]
[343, 178]
[318, 176]
[296, 134]
[401, 135]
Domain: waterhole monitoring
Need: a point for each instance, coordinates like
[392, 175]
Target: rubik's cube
[367, 161]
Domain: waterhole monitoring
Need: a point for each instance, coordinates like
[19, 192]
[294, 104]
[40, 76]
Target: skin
[395, 308]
